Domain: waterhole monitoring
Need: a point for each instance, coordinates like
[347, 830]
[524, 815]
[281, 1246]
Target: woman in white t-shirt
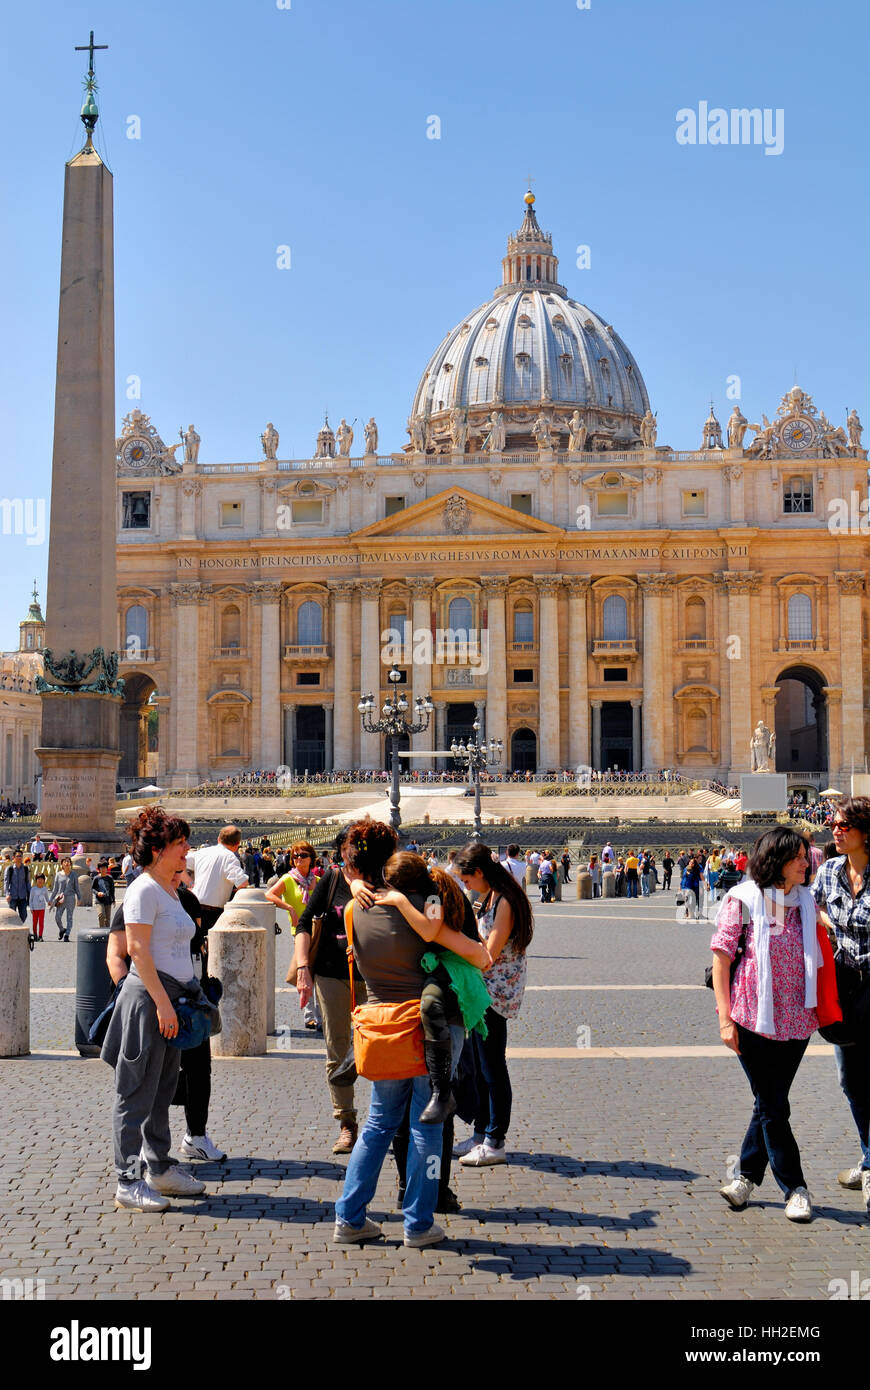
[144, 1020]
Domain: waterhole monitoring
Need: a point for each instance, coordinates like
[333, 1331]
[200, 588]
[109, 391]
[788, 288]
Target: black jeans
[771, 1067]
[494, 1116]
[194, 1086]
[19, 905]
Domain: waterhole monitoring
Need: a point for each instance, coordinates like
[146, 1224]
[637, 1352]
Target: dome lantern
[530, 261]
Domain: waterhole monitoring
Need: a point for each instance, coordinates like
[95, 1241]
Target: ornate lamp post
[475, 757]
[394, 724]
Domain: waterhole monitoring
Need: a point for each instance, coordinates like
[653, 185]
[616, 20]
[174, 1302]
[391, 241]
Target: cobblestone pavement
[610, 1191]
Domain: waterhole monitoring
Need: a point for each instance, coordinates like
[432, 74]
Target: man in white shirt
[37, 849]
[515, 864]
[216, 871]
[607, 854]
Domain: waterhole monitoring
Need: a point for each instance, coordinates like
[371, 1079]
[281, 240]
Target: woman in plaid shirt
[842, 889]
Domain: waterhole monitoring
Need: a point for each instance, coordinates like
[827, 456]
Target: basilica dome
[529, 350]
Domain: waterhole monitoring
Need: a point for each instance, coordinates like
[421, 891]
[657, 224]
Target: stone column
[596, 735]
[421, 623]
[837, 754]
[268, 597]
[268, 519]
[739, 585]
[851, 584]
[733, 475]
[652, 497]
[578, 672]
[370, 665]
[163, 705]
[657, 703]
[289, 735]
[186, 600]
[441, 764]
[327, 738]
[635, 736]
[342, 679]
[496, 675]
[480, 712]
[549, 758]
[191, 489]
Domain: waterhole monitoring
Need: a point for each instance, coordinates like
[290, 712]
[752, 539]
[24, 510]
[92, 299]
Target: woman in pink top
[767, 1015]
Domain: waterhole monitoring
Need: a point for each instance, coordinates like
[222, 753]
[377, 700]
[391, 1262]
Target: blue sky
[307, 127]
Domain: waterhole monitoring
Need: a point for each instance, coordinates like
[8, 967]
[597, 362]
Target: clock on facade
[137, 453]
[797, 434]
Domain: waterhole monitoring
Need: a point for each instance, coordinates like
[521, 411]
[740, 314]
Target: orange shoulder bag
[387, 1038]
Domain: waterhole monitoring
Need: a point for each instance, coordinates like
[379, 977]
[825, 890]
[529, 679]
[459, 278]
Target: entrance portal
[309, 754]
[801, 721]
[524, 751]
[617, 744]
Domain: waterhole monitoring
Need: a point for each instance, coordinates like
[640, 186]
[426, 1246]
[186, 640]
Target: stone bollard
[86, 893]
[584, 884]
[558, 880]
[237, 957]
[531, 875]
[608, 884]
[14, 984]
[254, 900]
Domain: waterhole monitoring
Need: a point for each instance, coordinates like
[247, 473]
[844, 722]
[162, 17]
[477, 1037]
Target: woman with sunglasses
[842, 890]
[292, 892]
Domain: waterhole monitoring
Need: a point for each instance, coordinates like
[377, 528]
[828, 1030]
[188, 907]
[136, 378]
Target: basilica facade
[532, 556]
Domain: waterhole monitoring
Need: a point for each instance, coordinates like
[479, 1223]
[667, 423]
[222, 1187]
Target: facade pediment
[457, 512]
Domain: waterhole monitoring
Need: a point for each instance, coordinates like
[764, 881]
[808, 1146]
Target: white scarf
[757, 901]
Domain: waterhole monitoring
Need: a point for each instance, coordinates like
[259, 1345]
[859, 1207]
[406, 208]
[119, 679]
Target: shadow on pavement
[566, 1166]
[543, 1216]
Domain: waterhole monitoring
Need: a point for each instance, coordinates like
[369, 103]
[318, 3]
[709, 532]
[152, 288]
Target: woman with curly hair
[390, 935]
[144, 1021]
[505, 925]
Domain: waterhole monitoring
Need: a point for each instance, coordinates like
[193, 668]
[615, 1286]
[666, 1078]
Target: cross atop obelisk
[89, 113]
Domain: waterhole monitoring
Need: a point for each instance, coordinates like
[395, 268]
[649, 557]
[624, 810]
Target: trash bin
[93, 985]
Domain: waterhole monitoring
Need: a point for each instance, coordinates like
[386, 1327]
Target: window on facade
[231, 514]
[308, 512]
[614, 617]
[524, 623]
[800, 618]
[136, 511]
[459, 617]
[135, 630]
[30, 639]
[393, 505]
[694, 504]
[231, 626]
[308, 678]
[522, 502]
[615, 673]
[613, 504]
[696, 620]
[696, 731]
[798, 495]
[524, 675]
[309, 624]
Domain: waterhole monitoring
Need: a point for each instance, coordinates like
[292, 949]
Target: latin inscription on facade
[351, 558]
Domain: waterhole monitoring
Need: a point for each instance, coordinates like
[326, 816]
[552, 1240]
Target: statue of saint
[855, 428]
[737, 427]
[191, 445]
[762, 444]
[495, 440]
[417, 430]
[648, 430]
[577, 433]
[269, 441]
[167, 459]
[371, 433]
[541, 431]
[458, 430]
[345, 439]
[762, 748]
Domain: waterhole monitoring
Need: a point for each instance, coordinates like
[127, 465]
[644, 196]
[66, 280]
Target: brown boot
[346, 1140]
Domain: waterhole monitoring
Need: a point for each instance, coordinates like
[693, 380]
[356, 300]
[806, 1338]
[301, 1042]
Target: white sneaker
[430, 1237]
[138, 1196]
[799, 1207]
[865, 1189]
[851, 1177]
[176, 1183]
[353, 1235]
[484, 1156]
[465, 1147]
[738, 1192]
[201, 1147]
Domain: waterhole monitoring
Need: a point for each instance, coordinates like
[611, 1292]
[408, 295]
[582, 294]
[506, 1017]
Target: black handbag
[853, 990]
[738, 956]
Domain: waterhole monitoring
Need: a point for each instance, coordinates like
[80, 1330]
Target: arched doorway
[801, 721]
[138, 728]
[524, 751]
[617, 741]
[310, 751]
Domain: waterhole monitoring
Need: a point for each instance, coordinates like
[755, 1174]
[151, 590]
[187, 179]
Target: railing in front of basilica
[339, 461]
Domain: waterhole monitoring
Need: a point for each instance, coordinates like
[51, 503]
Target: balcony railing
[696, 644]
[521, 648]
[136, 655]
[237, 652]
[319, 652]
[609, 646]
[797, 644]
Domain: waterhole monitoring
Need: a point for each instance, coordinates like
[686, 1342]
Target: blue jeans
[69, 909]
[771, 1067]
[630, 886]
[388, 1102]
[644, 885]
[494, 1083]
[853, 1068]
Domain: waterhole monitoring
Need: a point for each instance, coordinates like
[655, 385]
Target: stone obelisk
[81, 693]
